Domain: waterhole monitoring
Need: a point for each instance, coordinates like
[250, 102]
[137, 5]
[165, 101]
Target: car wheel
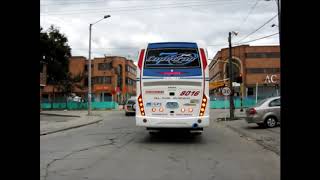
[270, 122]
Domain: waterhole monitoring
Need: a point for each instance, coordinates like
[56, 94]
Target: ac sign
[271, 79]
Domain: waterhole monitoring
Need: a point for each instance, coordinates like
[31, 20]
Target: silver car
[130, 106]
[266, 113]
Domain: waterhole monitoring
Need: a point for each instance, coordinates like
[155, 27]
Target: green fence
[220, 103]
[79, 105]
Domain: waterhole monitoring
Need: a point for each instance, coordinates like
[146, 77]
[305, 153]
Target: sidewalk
[56, 121]
[267, 138]
[219, 114]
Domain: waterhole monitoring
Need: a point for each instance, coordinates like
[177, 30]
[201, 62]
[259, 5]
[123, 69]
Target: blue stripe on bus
[172, 45]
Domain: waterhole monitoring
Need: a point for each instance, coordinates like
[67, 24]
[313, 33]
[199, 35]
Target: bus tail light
[203, 105]
[161, 109]
[140, 102]
[190, 110]
[153, 109]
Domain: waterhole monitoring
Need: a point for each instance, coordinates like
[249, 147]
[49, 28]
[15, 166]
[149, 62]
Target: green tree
[55, 52]
[70, 83]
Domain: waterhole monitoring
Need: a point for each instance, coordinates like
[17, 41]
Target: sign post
[226, 92]
[256, 92]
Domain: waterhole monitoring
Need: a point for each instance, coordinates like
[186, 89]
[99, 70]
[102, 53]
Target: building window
[86, 67]
[102, 80]
[130, 69]
[104, 66]
[250, 91]
[263, 55]
[130, 82]
[263, 70]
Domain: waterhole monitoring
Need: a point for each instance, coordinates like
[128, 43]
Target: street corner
[52, 124]
[268, 138]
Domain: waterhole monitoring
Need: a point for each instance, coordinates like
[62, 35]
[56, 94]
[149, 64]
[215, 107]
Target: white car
[130, 106]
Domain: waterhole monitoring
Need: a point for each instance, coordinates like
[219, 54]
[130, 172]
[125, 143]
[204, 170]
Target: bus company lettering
[172, 59]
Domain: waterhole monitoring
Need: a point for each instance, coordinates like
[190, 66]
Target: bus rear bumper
[186, 122]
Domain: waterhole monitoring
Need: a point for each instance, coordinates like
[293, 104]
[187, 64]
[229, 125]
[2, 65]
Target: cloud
[135, 23]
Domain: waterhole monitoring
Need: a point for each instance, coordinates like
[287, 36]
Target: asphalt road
[116, 149]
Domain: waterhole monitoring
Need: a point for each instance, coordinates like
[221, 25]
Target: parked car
[266, 113]
[130, 106]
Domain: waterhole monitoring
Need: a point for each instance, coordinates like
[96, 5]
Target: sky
[135, 23]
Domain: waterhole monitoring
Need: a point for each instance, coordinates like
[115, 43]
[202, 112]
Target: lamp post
[279, 14]
[89, 76]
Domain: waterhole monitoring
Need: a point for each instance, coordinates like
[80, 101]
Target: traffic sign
[226, 91]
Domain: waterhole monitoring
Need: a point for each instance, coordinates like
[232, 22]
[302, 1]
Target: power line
[125, 7]
[218, 45]
[97, 2]
[264, 37]
[257, 39]
[258, 28]
[128, 8]
[107, 48]
[136, 9]
[250, 11]
[73, 3]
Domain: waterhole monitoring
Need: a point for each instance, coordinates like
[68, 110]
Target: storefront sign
[271, 79]
[101, 88]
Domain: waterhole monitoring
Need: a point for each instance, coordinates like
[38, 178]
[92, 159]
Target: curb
[228, 119]
[270, 148]
[71, 127]
[64, 115]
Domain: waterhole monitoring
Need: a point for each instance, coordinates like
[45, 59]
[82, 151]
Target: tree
[55, 52]
[68, 85]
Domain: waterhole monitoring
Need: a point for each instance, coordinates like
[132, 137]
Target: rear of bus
[172, 87]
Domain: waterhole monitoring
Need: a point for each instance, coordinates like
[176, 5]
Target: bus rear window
[172, 58]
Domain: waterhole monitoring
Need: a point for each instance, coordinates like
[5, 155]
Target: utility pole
[279, 14]
[89, 73]
[231, 79]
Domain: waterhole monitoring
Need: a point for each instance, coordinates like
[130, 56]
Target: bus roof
[172, 45]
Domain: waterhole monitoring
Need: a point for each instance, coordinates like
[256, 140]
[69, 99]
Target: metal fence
[79, 105]
[219, 102]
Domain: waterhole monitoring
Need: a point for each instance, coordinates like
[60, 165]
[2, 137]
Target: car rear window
[261, 102]
[131, 102]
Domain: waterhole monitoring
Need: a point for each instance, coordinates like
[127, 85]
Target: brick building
[113, 78]
[258, 65]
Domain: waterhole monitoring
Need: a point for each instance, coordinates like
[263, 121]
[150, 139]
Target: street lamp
[89, 76]
[279, 14]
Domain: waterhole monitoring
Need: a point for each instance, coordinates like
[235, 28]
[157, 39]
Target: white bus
[172, 87]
